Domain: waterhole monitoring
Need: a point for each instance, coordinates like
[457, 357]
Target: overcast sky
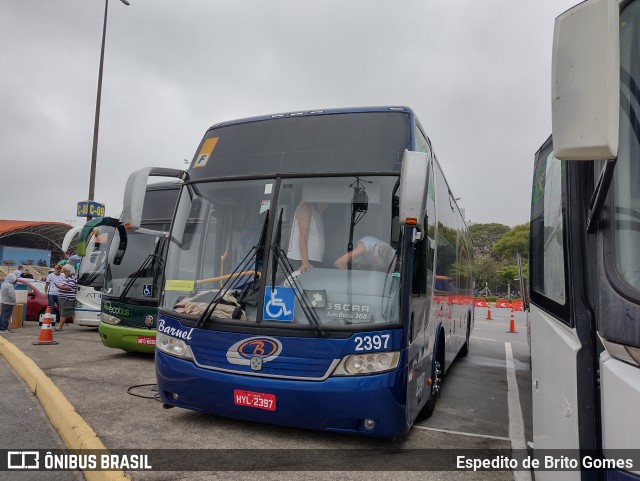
[477, 74]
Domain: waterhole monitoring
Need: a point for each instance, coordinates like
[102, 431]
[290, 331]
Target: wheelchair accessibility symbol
[147, 289]
[279, 303]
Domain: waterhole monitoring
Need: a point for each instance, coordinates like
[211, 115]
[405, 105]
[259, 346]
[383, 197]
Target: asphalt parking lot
[113, 392]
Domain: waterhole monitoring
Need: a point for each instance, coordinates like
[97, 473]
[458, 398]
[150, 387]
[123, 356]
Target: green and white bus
[133, 274]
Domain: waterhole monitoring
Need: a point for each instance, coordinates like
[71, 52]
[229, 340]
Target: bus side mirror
[585, 84]
[413, 188]
[135, 190]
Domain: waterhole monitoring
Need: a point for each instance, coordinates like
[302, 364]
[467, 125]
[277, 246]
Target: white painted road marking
[484, 339]
[473, 435]
[516, 424]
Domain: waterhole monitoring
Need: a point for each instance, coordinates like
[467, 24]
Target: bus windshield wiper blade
[256, 252]
[276, 242]
[136, 275]
[92, 276]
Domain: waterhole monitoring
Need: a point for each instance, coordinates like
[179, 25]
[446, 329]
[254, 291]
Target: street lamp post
[96, 125]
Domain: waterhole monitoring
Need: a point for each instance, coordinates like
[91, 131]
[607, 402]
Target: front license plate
[254, 399]
[147, 340]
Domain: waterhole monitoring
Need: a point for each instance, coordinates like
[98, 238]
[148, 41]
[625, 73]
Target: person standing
[66, 295]
[8, 300]
[18, 272]
[26, 275]
[50, 288]
[306, 244]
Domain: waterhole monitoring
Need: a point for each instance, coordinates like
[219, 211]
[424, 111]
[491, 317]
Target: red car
[37, 300]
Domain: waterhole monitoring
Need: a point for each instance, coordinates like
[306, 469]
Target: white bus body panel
[87, 308]
[554, 349]
[620, 395]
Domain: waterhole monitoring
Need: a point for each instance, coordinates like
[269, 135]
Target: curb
[74, 431]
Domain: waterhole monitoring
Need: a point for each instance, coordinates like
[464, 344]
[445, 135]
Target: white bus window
[547, 232]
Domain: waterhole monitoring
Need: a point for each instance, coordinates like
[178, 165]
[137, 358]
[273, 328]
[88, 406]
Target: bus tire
[465, 348]
[438, 375]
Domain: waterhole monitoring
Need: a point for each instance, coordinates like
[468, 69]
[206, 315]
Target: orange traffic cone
[489, 311]
[512, 324]
[46, 334]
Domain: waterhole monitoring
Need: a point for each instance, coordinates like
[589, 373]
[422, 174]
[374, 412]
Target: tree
[514, 242]
[509, 275]
[485, 269]
[485, 235]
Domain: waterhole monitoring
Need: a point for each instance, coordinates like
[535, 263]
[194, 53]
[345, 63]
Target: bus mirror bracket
[413, 188]
[122, 245]
[135, 190]
[87, 230]
[585, 90]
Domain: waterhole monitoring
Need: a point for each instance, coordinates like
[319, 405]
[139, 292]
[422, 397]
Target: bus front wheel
[436, 385]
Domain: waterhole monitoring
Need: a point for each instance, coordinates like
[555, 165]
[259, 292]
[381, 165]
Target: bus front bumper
[341, 404]
[86, 317]
[130, 339]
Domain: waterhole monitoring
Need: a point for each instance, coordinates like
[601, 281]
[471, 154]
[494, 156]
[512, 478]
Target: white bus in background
[585, 247]
[90, 274]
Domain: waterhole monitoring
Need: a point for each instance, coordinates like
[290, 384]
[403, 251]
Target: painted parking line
[516, 423]
[485, 339]
[473, 435]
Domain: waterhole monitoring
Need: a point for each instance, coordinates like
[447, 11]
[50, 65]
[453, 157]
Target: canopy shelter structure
[36, 235]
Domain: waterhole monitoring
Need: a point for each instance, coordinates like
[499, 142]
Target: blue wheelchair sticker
[147, 290]
[279, 304]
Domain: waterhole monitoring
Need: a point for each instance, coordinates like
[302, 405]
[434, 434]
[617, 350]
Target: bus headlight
[369, 363]
[173, 347]
[109, 319]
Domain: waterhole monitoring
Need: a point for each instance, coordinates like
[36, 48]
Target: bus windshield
[137, 275]
[290, 252]
[91, 272]
[626, 178]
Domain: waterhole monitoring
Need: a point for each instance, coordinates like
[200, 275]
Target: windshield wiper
[91, 277]
[599, 195]
[148, 262]
[256, 252]
[280, 258]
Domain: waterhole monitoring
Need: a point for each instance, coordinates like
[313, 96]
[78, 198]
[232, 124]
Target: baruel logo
[266, 348]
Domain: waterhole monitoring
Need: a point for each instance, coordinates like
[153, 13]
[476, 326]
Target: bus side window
[548, 280]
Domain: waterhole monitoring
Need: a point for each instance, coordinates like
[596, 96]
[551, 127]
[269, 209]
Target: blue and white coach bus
[355, 341]
[585, 236]
[94, 251]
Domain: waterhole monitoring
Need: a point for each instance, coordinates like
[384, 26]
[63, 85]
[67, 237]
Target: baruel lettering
[175, 332]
